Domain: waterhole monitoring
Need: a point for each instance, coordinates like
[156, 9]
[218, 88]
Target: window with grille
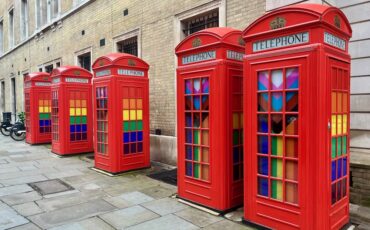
[84, 60]
[49, 68]
[44, 107]
[55, 115]
[200, 22]
[128, 46]
[102, 119]
[78, 116]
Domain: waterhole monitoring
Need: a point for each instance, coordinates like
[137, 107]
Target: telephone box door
[275, 173]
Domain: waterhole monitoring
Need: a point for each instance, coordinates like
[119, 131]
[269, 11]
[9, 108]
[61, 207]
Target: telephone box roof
[38, 76]
[71, 71]
[119, 59]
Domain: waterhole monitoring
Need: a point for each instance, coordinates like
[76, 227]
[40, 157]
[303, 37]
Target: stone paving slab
[28, 209]
[227, 225]
[197, 217]
[9, 218]
[169, 222]
[164, 206]
[23, 180]
[28, 226]
[14, 189]
[72, 213]
[88, 224]
[136, 197]
[129, 216]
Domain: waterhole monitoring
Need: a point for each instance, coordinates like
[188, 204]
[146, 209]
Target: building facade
[39, 35]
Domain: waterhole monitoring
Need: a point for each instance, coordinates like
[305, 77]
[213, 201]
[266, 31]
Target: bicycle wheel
[5, 131]
[17, 136]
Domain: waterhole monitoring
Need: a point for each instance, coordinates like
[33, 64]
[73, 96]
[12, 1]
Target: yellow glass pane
[344, 123]
[132, 103]
[71, 103]
[132, 115]
[345, 102]
[140, 114]
[72, 111]
[78, 111]
[41, 109]
[125, 104]
[333, 102]
[83, 103]
[235, 121]
[83, 111]
[339, 124]
[78, 103]
[126, 115]
[46, 109]
[340, 105]
[241, 121]
[140, 103]
[333, 125]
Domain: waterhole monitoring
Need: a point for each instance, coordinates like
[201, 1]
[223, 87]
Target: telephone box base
[38, 143]
[254, 225]
[114, 174]
[201, 207]
[61, 155]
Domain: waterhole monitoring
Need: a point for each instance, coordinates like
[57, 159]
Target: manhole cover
[50, 186]
[167, 176]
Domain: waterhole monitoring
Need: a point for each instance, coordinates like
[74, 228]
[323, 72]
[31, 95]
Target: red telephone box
[296, 78]
[121, 105]
[71, 110]
[210, 118]
[37, 106]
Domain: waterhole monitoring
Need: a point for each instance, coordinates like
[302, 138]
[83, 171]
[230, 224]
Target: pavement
[39, 190]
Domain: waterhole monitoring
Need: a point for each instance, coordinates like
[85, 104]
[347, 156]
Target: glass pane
[339, 105]
[333, 171]
[291, 170]
[291, 192]
[196, 170]
[276, 101]
[345, 102]
[188, 152]
[277, 123]
[263, 144]
[345, 166]
[205, 172]
[196, 120]
[277, 146]
[333, 147]
[344, 143]
[188, 136]
[292, 78]
[188, 103]
[189, 168]
[344, 123]
[236, 123]
[263, 185]
[205, 102]
[277, 167]
[263, 80]
[263, 165]
[205, 137]
[205, 155]
[291, 147]
[196, 102]
[196, 85]
[277, 79]
[333, 193]
[277, 189]
[339, 168]
[339, 124]
[291, 99]
[291, 123]
[333, 125]
[263, 123]
[333, 102]
[205, 85]
[188, 120]
[339, 146]
[236, 138]
[196, 153]
[263, 102]
[205, 120]
[188, 87]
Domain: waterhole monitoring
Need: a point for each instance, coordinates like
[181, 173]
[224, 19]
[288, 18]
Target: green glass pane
[333, 147]
[126, 126]
[196, 153]
[84, 120]
[47, 115]
[274, 167]
[41, 117]
[339, 146]
[132, 125]
[344, 142]
[196, 170]
[140, 125]
[236, 137]
[196, 136]
[78, 120]
[72, 120]
[274, 189]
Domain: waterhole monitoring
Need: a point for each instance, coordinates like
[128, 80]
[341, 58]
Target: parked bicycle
[18, 130]
[6, 124]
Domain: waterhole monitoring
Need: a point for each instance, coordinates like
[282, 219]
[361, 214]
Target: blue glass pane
[236, 154]
[78, 128]
[263, 186]
[188, 122]
[188, 168]
[84, 128]
[263, 145]
[73, 137]
[276, 101]
[140, 147]
[72, 128]
[188, 87]
[333, 171]
[41, 123]
[126, 137]
[47, 122]
[133, 147]
[189, 152]
[84, 136]
[196, 102]
[133, 137]
[205, 85]
[263, 123]
[345, 166]
[339, 167]
[126, 149]
[189, 136]
[205, 102]
[263, 165]
[139, 136]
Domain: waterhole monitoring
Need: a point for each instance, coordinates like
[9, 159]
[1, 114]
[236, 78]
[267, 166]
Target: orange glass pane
[291, 170]
[340, 105]
[132, 103]
[205, 172]
[205, 155]
[345, 102]
[126, 104]
[78, 103]
[205, 120]
[71, 103]
[291, 193]
[41, 102]
[333, 102]
[83, 104]
[235, 121]
[139, 103]
[291, 147]
[205, 137]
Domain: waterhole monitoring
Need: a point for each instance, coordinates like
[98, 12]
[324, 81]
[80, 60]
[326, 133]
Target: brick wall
[360, 186]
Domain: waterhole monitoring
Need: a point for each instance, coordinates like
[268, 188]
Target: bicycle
[5, 127]
[18, 130]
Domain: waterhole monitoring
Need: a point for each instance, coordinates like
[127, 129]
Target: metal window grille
[201, 22]
[128, 46]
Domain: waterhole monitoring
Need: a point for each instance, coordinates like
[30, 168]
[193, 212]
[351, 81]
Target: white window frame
[11, 28]
[127, 35]
[24, 20]
[82, 52]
